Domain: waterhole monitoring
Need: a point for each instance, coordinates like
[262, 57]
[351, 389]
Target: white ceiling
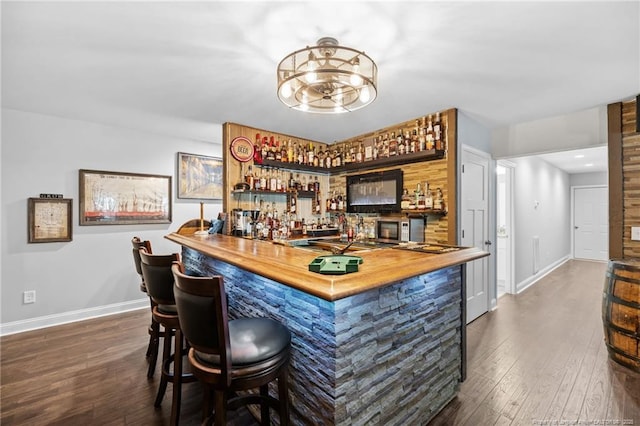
[184, 68]
[579, 161]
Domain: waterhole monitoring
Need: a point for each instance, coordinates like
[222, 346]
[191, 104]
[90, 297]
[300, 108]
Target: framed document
[50, 220]
[115, 198]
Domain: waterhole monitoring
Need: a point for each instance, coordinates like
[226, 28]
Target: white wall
[580, 129]
[94, 273]
[582, 179]
[542, 208]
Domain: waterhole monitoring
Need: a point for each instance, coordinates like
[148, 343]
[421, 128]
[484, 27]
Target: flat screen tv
[378, 192]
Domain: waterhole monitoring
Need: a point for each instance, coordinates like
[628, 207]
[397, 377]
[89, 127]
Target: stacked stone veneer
[389, 356]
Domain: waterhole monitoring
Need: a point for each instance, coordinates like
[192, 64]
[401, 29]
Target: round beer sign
[241, 149]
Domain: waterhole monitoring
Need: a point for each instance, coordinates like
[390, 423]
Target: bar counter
[289, 265]
[384, 345]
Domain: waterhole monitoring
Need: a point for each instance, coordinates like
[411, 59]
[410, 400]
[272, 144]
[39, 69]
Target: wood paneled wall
[624, 180]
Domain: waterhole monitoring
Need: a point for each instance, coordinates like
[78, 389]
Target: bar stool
[158, 278]
[154, 327]
[231, 356]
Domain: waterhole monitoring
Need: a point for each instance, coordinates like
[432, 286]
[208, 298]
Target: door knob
[488, 242]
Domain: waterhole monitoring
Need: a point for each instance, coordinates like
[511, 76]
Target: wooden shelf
[301, 194]
[380, 162]
[422, 212]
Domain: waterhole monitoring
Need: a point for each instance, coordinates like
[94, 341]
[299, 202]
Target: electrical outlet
[635, 233]
[29, 297]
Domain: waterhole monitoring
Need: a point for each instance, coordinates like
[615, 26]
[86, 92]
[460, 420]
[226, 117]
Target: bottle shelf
[422, 212]
[414, 157]
[300, 194]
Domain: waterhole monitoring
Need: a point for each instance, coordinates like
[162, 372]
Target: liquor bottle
[430, 135]
[263, 180]
[428, 199]
[292, 182]
[271, 154]
[248, 178]
[278, 153]
[290, 152]
[273, 180]
[437, 131]
[340, 203]
[402, 144]
[420, 203]
[257, 150]
[317, 207]
[264, 149]
[417, 194]
[405, 202]
[310, 154]
[393, 145]
[334, 202]
[360, 153]
[422, 139]
[328, 160]
[279, 181]
[438, 201]
[293, 203]
[301, 156]
[376, 144]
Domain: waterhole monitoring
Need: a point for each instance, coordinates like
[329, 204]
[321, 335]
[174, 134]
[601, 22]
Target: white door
[591, 223]
[475, 229]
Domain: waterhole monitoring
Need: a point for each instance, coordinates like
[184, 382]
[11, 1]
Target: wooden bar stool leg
[166, 364]
[264, 405]
[152, 350]
[283, 398]
[220, 408]
[177, 379]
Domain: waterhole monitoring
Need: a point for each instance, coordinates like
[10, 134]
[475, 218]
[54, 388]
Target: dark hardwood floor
[538, 359]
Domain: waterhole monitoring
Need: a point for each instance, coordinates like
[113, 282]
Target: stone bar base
[387, 356]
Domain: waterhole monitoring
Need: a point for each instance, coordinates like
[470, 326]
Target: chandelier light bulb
[285, 90]
[364, 94]
[355, 79]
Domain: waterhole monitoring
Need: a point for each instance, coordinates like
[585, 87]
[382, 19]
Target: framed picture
[114, 198]
[199, 177]
[49, 219]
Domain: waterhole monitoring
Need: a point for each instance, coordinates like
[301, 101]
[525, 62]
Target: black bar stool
[158, 278]
[231, 356]
[154, 327]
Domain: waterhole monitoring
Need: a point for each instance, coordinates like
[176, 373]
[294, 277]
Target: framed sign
[49, 219]
[242, 149]
[199, 177]
[115, 198]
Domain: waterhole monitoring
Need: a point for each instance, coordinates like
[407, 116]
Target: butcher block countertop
[290, 265]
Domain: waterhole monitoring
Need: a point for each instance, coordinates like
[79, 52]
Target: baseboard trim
[525, 284]
[72, 316]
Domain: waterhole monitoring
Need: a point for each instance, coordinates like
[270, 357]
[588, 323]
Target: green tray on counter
[336, 264]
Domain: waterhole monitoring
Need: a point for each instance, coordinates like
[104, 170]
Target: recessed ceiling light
[589, 165]
[579, 156]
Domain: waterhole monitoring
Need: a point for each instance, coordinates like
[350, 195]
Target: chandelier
[327, 78]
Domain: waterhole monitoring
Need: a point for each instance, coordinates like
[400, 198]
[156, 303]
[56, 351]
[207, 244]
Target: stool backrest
[137, 245]
[202, 308]
[156, 271]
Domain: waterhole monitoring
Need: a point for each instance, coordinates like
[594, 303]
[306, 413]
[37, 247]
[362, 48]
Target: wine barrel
[621, 312]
